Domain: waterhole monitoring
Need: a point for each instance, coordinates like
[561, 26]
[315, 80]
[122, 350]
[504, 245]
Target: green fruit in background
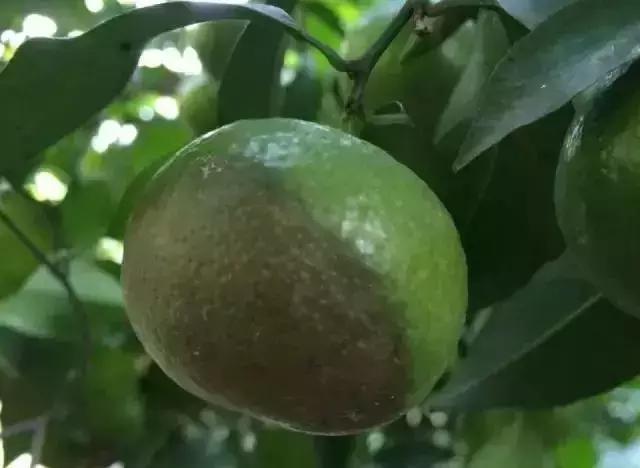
[199, 105]
[598, 190]
[503, 202]
[215, 43]
[17, 261]
[296, 273]
[423, 86]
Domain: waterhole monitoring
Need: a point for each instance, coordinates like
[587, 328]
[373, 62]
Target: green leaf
[507, 238]
[52, 86]
[86, 212]
[17, 261]
[250, 87]
[513, 444]
[548, 67]
[533, 12]
[490, 45]
[69, 15]
[131, 194]
[325, 14]
[285, 449]
[303, 96]
[334, 452]
[577, 453]
[119, 165]
[41, 308]
[529, 12]
[112, 408]
[555, 341]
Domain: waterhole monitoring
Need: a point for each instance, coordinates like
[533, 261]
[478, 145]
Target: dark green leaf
[512, 231]
[119, 165]
[548, 67]
[554, 342]
[52, 86]
[490, 45]
[533, 12]
[68, 14]
[528, 12]
[513, 444]
[86, 212]
[17, 261]
[284, 449]
[111, 400]
[250, 87]
[334, 452]
[303, 96]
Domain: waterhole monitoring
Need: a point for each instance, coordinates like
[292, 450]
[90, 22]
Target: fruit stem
[360, 69]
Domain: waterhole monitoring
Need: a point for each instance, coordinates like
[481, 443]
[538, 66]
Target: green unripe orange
[199, 105]
[598, 190]
[296, 273]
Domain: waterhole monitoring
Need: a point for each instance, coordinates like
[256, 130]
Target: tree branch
[360, 69]
[75, 302]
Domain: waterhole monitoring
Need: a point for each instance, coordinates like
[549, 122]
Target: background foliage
[545, 377]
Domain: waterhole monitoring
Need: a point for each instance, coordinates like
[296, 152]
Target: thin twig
[75, 302]
[28, 425]
[38, 440]
[360, 69]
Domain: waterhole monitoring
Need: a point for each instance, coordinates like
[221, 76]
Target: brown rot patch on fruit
[246, 300]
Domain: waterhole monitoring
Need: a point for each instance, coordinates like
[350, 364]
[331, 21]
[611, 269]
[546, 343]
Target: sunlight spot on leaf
[167, 107]
[414, 417]
[441, 438]
[438, 418]
[46, 186]
[172, 59]
[287, 75]
[375, 441]
[12, 38]
[108, 133]
[94, 6]
[146, 113]
[151, 58]
[75, 33]
[128, 134]
[35, 25]
[110, 249]
[249, 442]
[191, 62]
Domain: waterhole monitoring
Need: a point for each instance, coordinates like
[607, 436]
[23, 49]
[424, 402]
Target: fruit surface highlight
[296, 273]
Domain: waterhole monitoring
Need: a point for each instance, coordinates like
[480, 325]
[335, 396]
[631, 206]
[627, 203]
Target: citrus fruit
[199, 104]
[598, 190]
[296, 273]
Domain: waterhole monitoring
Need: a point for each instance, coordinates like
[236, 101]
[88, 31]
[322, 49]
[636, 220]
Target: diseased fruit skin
[598, 190]
[296, 273]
